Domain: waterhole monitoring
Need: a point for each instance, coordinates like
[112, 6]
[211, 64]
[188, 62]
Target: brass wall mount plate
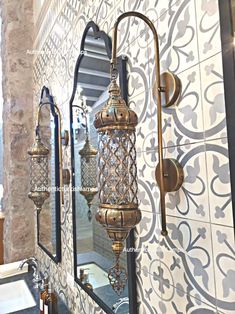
[65, 137]
[170, 88]
[66, 177]
[173, 175]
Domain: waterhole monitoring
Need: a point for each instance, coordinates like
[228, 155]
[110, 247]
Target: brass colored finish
[39, 163]
[84, 278]
[38, 197]
[173, 175]
[38, 173]
[115, 114]
[88, 150]
[66, 176]
[38, 149]
[65, 138]
[88, 285]
[118, 278]
[88, 174]
[170, 88]
[170, 81]
[89, 195]
[118, 211]
[118, 224]
[88, 168]
[114, 218]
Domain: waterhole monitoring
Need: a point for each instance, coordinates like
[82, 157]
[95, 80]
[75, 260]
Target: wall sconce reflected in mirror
[88, 166]
[116, 122]
[39, 153]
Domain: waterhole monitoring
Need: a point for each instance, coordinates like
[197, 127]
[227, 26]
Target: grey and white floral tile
[213, 103]
[148, 294]
[161, 8]
[147, 244]
[183, 122]
[148, 194]
[130, 28]
[224, 261]
[137, 68]
[218, 175]
[187, 258]
[191, 200]
[180, 302]
[103, 11]
[177, 41]
[107, 24]
[96, 10]
[208, 28]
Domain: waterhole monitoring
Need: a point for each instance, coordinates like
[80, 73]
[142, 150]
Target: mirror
[93, 256]
[48, 219]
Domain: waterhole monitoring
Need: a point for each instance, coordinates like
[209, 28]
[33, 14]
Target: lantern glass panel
[39, 173]
[89, 172]
[117, 164]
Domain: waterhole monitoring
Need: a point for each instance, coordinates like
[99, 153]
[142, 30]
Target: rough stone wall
[17, 39]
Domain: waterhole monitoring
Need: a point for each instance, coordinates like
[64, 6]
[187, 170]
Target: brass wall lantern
[88, 166]
[118, 210]
[39, 153]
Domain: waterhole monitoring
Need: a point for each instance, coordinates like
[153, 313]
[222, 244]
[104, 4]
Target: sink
[15, 296]
[97, 276]
[12, 269]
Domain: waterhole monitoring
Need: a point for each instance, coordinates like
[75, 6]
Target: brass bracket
[170, 89]
[169, 172]
[173, 175]
[65, 137]
[66, 176]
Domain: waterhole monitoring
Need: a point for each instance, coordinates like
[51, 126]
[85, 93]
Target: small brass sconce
[116, 122]
[38, 173]
[88, 167]
[39, 157]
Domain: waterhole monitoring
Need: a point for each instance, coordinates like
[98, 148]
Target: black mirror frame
[131, 239]
[46, 97]
[228, 55]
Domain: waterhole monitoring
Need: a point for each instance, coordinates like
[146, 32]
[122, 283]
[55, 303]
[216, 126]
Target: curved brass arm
[159, 102]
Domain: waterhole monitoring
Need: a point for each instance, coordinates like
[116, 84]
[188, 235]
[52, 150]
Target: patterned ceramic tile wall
[191, 270]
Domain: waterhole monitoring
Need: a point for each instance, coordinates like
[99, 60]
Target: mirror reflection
[47, 222]
[94, 254]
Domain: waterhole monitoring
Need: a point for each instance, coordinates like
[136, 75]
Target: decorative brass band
[38, 197]
[88, 150]
[38, 149]
[121, 207]
[115, 114]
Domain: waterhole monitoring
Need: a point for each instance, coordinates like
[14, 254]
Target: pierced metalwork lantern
[88, 173]
[38, 173]
[118, 211]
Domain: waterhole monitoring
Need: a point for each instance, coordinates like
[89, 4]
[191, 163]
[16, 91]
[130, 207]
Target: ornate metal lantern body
[38, 173]
[118, 211]
[88, 173]
[39, 155]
